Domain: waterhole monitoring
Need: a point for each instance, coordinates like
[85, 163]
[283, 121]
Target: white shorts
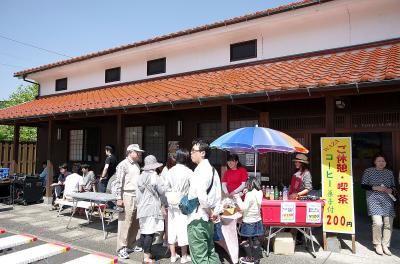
[177, 227]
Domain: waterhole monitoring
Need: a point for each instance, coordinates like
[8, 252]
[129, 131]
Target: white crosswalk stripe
[25, 248]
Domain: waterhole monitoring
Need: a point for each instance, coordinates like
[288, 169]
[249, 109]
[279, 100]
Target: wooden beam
[330, 115]
[120, 144]
[396, 170]
[264, 121]
[50, 170]
[14, 159]
[224, 129]
[273, 97]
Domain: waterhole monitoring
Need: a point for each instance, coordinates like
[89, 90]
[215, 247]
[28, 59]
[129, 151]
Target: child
[252, 226]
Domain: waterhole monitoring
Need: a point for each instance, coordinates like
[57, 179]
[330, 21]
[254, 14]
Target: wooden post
[119, 151]
[396, 170]
[50, 170]
[14, 158]
[263, 121]
[330, 116]
[224, 129]
[330, 132]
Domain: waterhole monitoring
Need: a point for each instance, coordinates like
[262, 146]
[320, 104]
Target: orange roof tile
[244, 18]
[360, 65]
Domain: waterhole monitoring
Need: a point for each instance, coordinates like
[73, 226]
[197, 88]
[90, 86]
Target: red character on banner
[342, 199]
[341, 167]
[341, 159]
[343, 186]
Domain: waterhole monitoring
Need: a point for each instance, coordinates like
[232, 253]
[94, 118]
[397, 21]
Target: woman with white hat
[301, 183]
[151, 220]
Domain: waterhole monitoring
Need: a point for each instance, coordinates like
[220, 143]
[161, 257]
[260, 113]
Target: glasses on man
[194, 150]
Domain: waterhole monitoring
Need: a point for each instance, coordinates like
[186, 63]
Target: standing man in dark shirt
[109, 168]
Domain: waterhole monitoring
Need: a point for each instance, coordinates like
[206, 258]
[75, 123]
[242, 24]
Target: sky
[76, 27]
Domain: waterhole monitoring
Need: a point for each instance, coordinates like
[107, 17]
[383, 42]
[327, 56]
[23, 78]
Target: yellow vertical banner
[337, 185]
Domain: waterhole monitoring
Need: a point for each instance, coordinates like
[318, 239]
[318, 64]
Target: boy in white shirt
[72, 182]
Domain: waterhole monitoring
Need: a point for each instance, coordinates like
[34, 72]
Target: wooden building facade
[273, 68]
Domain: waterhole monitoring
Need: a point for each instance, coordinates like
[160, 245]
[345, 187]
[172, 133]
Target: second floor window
[244, 50]
[113, 75]
[61, 84]
[156, 66]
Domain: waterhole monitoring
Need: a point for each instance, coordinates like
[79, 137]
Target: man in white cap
[127, 174]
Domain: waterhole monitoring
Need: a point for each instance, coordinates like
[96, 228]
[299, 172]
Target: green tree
[24, 93]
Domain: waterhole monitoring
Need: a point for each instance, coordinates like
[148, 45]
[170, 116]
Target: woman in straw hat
[151, 220]
[301, 183]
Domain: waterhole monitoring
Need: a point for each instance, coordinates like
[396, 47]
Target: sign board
[288, 212]
[337, 185]
[249, 159]
[313, 213]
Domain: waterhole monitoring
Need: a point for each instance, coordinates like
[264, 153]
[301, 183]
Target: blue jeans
[252, 229]
[103, 186]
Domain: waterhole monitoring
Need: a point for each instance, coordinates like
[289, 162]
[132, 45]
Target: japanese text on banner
[337, 184]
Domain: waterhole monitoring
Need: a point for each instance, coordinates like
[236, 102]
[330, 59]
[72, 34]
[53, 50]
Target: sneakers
[186, 259]
[135, 249]
[386, 250]
[123, 253]
[138, 249]
[378, 249]
[175, 258]
[246, 260]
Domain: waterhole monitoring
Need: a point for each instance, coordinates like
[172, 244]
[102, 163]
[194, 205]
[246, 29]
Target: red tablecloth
[271, 213]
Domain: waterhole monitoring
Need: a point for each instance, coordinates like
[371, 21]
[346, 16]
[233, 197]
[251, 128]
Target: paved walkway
[39, 221]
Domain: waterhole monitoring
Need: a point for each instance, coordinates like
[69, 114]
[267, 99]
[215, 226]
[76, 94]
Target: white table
[95, 198]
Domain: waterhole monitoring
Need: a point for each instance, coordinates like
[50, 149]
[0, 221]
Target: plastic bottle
[263, 190]
[280, 195]
[285, 193]
[271, 193]
[267, 192]
[276, 193]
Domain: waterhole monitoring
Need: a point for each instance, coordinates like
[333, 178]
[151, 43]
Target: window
[84, 144]
[134, 135]
[61, 84]
[113, 75]
[156, 66]
[244, 50]
[75, 145]
[154, 140]
[210, 131]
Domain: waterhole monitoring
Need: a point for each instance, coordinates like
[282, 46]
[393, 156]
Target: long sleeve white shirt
[199, 184]
[251, 206]
[177, 178]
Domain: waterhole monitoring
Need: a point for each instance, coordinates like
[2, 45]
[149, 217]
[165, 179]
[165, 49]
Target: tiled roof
[235, 20]
[362, 65]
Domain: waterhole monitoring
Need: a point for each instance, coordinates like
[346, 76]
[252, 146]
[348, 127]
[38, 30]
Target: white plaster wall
[334, 24]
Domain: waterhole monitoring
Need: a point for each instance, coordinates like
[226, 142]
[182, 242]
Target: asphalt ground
[86, 238]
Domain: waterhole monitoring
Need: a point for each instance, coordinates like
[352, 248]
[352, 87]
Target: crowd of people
[150, 198]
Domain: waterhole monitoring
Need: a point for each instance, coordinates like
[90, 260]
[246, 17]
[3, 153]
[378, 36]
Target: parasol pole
[255, 158]
[255, 164]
